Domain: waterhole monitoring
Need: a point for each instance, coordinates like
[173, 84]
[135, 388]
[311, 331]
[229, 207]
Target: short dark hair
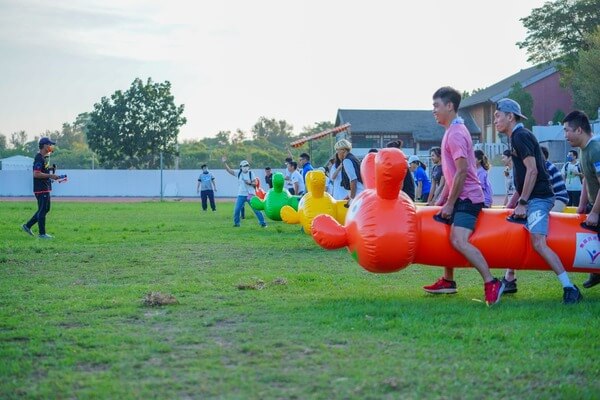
[203, 165]
[289, 159]
[268, 168]
[574, 152]
[578, 119]
[448, 95]
[545, 151]
[293, 164]
[373, 151]
[305, 156]
[507, 153]
[395, 143]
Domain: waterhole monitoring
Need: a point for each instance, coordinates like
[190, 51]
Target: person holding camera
[43, 175]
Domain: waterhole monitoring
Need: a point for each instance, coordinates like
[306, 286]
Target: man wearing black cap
[42, 186]
[534, 197]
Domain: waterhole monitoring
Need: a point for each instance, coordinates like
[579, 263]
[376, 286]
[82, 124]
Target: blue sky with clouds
[231, 62]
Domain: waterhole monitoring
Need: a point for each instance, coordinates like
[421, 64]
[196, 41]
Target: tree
[18, 140]
[2, 142]
[525, 100]
[275, 132]
[586, 78]
[132, 128]
[557, 31]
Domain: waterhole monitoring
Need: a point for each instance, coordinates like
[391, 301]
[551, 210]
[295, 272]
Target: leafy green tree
[276, 132]
[586, 82]
[557, 30]
[18, 140]
[525, 100]
[130, 129]
[3, 142]
[558, 116]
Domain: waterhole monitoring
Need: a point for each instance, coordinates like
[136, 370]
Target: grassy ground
[264, 313]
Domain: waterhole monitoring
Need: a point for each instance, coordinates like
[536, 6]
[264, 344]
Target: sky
[231, 62]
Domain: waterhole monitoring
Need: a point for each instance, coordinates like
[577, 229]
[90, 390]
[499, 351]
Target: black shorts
[466, 213]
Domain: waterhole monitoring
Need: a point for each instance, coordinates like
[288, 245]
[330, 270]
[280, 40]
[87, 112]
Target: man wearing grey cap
[533, 191]
[42, 186]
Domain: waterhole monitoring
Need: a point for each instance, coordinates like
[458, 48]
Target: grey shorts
[466, 213]
[538, 215]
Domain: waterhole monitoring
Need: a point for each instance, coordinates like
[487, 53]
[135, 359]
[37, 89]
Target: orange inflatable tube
[385, 232]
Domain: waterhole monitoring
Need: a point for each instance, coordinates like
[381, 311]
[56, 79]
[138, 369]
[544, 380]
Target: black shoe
[509, 286]
[572, 295]
[236, 225]
[592, 281]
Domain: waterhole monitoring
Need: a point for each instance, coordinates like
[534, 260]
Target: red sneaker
[442, 286]
[493, 291]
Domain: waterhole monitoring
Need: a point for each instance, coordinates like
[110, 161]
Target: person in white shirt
[296, 178]
[246, 190]
[573, 175]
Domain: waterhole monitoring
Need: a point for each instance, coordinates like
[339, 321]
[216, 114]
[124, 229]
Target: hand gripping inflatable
[385, 232]
[275, 199]
[315, 202]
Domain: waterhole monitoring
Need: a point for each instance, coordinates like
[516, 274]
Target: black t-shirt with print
[44, 184]
[522, 145]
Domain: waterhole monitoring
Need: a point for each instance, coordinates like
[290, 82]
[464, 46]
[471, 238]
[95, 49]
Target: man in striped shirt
[561, 196]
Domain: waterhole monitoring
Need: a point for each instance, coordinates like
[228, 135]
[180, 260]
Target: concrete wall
[134, 183]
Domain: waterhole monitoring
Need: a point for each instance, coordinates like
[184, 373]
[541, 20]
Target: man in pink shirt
[462, 198]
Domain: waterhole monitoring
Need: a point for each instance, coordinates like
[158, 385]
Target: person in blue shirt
[304, 162]
[422, 182]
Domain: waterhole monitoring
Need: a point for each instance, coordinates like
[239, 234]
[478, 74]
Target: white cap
[413, 159]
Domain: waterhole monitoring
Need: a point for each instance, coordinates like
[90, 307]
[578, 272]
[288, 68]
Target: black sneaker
[592, 281]
[509, 286]
[572, 295]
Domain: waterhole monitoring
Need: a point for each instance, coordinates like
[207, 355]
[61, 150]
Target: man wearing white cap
[246, 190]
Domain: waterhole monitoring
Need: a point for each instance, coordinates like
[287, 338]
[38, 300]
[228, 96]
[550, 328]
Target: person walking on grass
[462, 196]
[533, 189]
[42, 186]
[206, 187]
[578, 133]
[246, 190]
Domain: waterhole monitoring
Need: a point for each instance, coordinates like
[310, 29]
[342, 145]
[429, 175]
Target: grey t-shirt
[590, 163]
[206, 181]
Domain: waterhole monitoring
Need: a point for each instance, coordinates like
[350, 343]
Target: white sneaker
[46, 236]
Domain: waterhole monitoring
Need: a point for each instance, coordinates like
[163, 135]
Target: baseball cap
[46, 140]
[510, 106]
[244, 163]
[413, 159]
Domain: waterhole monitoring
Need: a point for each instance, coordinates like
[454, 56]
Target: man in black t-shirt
[533, 191]
[42, 186]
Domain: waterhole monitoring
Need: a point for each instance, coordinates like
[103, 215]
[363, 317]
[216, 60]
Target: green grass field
[262, 314]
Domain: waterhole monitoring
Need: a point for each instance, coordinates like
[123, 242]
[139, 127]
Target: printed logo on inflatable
[587, 254]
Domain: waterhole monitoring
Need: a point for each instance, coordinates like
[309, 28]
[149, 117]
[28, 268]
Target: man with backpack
[246, 190]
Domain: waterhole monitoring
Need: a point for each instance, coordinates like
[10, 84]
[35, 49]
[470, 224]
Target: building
[16, 163]
[541, 82]
[416, 128]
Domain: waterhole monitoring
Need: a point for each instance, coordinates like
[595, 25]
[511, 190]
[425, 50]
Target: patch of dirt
[259, 284]
[155, 299]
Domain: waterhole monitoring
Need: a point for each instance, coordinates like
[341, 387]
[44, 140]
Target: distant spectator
[573, 175]
[437, 177]
[422, 182]
[351, 178]
[206, 187]
[287, 177]
[408, 186]
[296, 179]
[269, 177]
[509, 182]
[304, 162]
[483, 166]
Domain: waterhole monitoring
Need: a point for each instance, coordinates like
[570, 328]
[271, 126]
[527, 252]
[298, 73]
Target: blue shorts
[538, 215]
[465, 213]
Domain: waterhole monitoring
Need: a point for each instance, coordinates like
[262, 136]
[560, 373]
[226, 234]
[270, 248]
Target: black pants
[574, 198]
[210, 195]
[43, 201]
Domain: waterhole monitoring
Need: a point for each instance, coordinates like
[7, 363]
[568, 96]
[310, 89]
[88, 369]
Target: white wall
[135, 183]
